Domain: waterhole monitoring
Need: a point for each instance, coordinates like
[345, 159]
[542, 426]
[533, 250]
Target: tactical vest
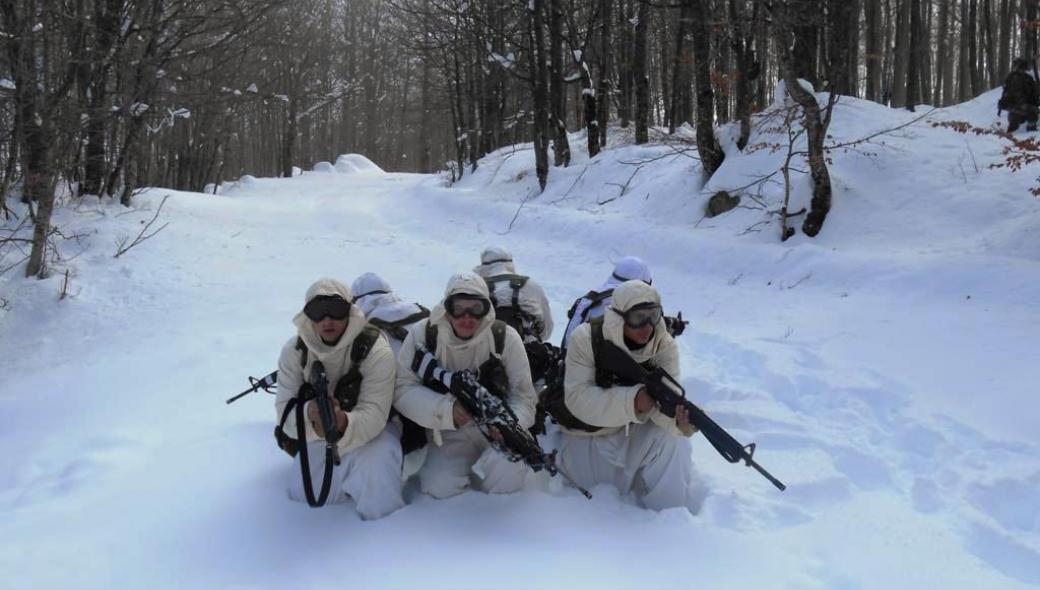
[554, 399]
[491, 374]
[398, 329]
[346, 392]
[526, 324]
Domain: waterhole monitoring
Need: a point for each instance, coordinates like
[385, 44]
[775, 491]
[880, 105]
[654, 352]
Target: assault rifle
[266, 383]
[320, 384]
[668, 394]
[493, 417]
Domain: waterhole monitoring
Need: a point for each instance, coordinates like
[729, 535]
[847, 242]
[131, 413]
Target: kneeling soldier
[335, 345]
[462, 334]
[614, 432]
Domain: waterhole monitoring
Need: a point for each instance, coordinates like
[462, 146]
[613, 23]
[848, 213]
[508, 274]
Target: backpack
[526, 324]
[594, 298]
[346, 392]
[398, 329]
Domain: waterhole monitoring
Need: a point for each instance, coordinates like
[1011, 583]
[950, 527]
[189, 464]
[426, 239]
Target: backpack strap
[348, 388]
[498, 331]
[603, 377]
[363, 345]
[595, 298]
[516, 282]
[300, 346]
[397, 328]
[431, 338]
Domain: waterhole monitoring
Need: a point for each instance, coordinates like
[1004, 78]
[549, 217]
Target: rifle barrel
[241, 395]
[776, 482]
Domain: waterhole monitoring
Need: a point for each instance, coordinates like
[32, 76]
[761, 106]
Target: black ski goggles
[474, 306]
[323, 306]
[644, 314]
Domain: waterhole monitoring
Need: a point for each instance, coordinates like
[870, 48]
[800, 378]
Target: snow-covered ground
[887, 370]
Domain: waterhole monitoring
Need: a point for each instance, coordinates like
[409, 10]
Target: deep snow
[886, 369]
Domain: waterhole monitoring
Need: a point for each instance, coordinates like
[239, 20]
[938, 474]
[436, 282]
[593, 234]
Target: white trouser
[649, 461]
[370, 474]
[466, 457]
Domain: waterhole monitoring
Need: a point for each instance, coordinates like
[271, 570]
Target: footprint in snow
[59, 476]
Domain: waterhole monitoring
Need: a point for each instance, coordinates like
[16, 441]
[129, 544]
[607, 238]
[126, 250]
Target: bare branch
[122, 247]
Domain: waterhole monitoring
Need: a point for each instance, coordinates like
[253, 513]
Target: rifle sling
[306, 394]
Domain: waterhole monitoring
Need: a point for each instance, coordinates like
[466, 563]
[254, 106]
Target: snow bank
[353, 163]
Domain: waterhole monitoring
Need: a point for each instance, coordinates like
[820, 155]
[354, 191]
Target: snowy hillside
[887, 370]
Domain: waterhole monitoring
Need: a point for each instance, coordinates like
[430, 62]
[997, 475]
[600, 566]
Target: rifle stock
[668, 394]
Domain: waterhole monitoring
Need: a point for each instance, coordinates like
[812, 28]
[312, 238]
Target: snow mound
[891, 169]
[780, 94]
[354, 163]
[324, 168]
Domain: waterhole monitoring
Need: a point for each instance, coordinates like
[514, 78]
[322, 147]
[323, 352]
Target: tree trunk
[539, 80]
[942, 57]
[977, 81]
[289, 139]
[806, 42]
[1007, 22]
[816, 133]
[708, 148]
[720, 52]
[606, 50]
[557, 96]
[94, 71]
[639, 74]
[1031, 10]
[36, 135]
[925, 52]
[875, 50]
[742, 31]
[425, 112]
[840, 16]
[852, 46]
[913, 70]
[625, 16]
[685, 8]
[989, 20]
[901, 64]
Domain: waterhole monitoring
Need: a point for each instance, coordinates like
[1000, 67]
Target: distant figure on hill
[1021, 97]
